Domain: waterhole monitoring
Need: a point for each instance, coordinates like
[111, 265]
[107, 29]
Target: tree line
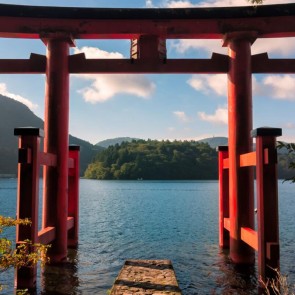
[155, 160]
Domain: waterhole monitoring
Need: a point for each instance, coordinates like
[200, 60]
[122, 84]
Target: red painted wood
[249, 236]
[27, 205]
[223, 198]
[248, 159]
[267, 205]
[46, 235]
[217, 64]
[73, 234]
[55, 201]
[48, 159]
[241, 191]
[126, 24]
[227, 223]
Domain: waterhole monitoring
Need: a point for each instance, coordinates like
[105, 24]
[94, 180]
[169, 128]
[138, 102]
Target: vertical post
[27, 198]
[241, 181]
[148, 47]
[267, 201]
[223, 196]
[55, 199]
[73, 234]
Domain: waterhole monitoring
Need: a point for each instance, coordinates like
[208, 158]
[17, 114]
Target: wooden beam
[249, 236]
[260, 63]
[22, 21]
[46, 235]
[36, 64]
[79, 64]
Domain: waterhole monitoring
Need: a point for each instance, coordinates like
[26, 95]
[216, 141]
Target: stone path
[146, 277]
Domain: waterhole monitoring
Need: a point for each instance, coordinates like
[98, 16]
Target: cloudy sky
[154, 106]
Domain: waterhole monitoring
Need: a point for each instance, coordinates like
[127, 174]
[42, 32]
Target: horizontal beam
[35, 65]
[262, 64]
[70, 223]
[226, 222]
[248, 159]
[226, 163]
[78, 64]
[217, 64]
[46, 235]
[48, 159]
[250, 237]
[191, 23]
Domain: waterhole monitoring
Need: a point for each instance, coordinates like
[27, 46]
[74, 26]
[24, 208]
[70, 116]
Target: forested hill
[155, 160]
[15, 114]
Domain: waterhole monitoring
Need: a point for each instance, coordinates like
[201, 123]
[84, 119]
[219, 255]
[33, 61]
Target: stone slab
[146, 277]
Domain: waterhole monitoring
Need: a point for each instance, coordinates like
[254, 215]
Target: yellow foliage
[25, 254]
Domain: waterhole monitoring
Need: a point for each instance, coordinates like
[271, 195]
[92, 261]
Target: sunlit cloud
[280, 87]
[25, 101]
[273, 46]
[93, 52]
[219, 117]
[181, 116]
[215, 3]
[149, 4]
[289, 125]
[104, 87]
[207, 84]
[179, 4]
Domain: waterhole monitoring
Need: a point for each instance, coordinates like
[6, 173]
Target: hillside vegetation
[155, 160]
[15, 114]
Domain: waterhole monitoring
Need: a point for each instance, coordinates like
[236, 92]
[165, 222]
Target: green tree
[290, 160]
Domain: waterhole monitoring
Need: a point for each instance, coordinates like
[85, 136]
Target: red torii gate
[148, 29]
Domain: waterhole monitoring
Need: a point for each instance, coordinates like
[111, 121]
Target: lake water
[176, 220]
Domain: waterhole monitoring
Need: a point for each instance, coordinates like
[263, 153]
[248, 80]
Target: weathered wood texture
[146, 277]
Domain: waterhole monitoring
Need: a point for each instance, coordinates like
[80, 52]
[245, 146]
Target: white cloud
[289, 125]
[219, 117]
[283, 47]
[179, 4]
[181, 116]
[280, 86]
[216, 3]
[104, 86]
[93, 52]
[149, 4]
[207, 84]
[25, 101]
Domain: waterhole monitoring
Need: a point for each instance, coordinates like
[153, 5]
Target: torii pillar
[241, 183]
[56, 141]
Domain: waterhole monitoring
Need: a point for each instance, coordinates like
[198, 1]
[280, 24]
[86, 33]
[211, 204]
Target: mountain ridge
[14, 114]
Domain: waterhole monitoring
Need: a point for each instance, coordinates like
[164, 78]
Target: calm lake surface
[176, 220]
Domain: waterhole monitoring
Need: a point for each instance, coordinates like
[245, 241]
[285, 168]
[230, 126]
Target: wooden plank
[249, 236]
[48, 159]
[46, 235]
[226, 163]
[227, 223]
[70, 222]
[146, 277]
[248, 159]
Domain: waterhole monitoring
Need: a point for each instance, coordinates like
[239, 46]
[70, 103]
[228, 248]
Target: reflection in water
[235, 279]
[62, 279]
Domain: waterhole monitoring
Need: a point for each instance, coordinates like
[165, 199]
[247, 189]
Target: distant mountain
[15, 114]
[214, 142]
[113, 141]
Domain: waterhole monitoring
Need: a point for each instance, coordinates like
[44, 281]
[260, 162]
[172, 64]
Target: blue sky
[154, 106]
